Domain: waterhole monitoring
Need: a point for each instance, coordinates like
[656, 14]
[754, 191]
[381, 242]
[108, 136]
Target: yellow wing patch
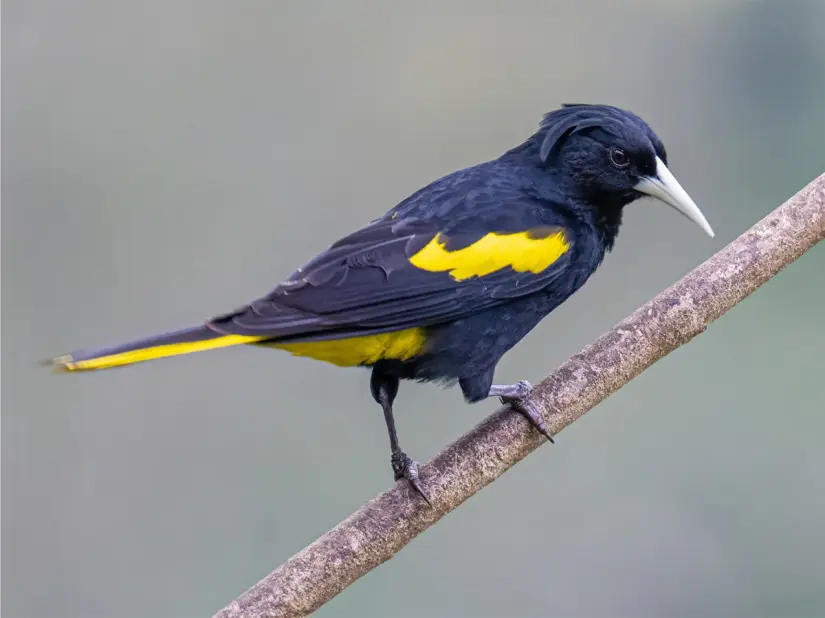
[521, 251]
[367, 350]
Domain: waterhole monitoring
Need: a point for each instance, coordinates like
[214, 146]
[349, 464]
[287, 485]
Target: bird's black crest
[571, 118]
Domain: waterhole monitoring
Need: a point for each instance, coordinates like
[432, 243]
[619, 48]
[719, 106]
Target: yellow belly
[367, 350]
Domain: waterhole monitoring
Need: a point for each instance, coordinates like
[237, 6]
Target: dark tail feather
[185, 341]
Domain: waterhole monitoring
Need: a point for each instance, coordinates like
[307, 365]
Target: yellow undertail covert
[367, 350]
[528, 251]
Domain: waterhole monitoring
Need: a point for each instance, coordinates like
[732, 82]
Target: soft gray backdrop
[164, 161]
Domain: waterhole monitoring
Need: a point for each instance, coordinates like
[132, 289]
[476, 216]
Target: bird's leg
[384, 388]
[515, 395]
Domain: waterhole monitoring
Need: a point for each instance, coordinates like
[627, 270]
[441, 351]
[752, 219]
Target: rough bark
[383, 526]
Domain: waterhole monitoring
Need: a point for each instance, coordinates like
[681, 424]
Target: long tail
[185, 341]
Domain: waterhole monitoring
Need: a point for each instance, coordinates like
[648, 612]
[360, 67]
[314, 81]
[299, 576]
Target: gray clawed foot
[405, 468]
[516, 398]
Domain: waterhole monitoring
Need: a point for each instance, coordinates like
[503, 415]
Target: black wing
[381, 278]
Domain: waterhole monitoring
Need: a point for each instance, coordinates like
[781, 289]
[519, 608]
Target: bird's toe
[532, 413]
[406, 468]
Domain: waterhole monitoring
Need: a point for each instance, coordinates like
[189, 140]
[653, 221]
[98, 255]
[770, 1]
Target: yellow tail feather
[119, 359]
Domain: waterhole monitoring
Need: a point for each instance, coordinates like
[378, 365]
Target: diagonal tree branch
[383, 526]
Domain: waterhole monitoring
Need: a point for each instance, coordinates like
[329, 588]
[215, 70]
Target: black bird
[445, 283]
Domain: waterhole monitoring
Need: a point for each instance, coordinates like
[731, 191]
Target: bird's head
[612, 157]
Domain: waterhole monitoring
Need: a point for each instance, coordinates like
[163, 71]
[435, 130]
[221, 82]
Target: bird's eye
[619, 157]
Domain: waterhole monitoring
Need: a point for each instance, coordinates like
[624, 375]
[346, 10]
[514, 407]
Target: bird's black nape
[571, 118]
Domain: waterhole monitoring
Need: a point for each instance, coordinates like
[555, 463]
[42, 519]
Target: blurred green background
[165, 161]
